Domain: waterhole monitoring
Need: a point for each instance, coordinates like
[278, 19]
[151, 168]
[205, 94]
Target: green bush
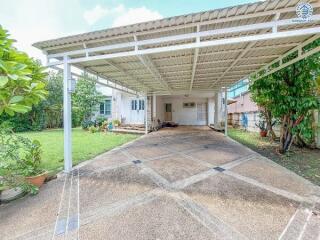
[86, 124]
[93, 129]
[20, 157]
[99, 120]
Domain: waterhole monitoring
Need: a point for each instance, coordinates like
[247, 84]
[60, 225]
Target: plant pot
[37, 180]
[263, 133]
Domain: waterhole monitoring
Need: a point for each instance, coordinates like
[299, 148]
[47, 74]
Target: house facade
[195, 109]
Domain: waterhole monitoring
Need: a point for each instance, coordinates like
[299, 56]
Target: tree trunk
[286, 136]
[269, 125]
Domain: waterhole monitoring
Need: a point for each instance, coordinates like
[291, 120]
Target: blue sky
[35, 20]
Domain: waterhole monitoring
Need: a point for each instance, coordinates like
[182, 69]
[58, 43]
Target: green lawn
[304, 162]
[85, 145]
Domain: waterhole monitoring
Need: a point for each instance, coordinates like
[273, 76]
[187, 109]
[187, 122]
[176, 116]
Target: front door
[168, 112]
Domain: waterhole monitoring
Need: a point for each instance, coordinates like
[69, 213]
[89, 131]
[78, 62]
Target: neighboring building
[243, 112]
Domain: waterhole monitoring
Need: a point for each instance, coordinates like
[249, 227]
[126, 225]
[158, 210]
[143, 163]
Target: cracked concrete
[173, 192]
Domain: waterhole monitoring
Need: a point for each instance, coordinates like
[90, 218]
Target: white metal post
[226, 111]
[67, 115]
[146, 114]
[154, 107]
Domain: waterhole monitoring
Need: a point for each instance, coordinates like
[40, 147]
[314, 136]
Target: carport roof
[191, 53]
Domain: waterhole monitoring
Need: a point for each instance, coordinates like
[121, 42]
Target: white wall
[180, 115]
[210, 111]
[131, 116]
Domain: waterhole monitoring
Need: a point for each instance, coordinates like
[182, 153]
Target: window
[189, 105]
[141, 104]
[134, 105]
[105, 107]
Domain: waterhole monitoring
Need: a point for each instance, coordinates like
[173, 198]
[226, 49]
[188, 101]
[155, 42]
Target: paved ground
[184, 183]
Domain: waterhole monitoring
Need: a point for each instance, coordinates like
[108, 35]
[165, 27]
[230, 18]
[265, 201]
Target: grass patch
[85, 145]
[304, 162]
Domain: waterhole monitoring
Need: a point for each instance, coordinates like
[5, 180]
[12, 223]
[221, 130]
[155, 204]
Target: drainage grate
[219, 169]
[136, 161]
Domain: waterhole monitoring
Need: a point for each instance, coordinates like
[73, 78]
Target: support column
[154, 108]
[67, 115]
[216, 109]
[226, 112]
[146, 114]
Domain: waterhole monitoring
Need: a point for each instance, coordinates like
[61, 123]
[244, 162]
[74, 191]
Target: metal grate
[219, 169]
[136, 161]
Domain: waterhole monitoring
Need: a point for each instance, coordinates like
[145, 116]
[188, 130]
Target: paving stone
[111, 186]
[106, 160]
[272, 174]
[176, 167]
[216, 157]
[146, 152]
[254, 212]
[166, 220]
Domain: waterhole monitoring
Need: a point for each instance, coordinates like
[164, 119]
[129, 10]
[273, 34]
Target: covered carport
[193, 54]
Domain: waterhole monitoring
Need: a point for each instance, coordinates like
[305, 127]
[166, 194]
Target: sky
[30, 21]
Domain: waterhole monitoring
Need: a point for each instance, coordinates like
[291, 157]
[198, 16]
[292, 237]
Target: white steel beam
[298, 58]
[212, 53]
[195, 60]
[215, 32]
[246, 50]
[67, 115]
[226, 111]
[125, 72]
[146, 61]
[211, 43]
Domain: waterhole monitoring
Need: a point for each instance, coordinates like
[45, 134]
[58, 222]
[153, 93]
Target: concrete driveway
[183, 183]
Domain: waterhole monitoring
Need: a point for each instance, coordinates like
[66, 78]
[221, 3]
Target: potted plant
[116, 123]
[30, 164]
[262, 125]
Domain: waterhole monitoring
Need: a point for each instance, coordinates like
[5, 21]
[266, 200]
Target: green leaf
[3, 66]
[16, 99]
[19, 108]
[13, 76]
[3, 80]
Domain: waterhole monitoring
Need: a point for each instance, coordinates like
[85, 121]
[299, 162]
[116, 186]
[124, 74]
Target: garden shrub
[86, 124]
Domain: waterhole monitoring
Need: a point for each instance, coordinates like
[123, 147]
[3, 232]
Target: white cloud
[120, 14]
[97, 13]
[136, 15]
[29, 23]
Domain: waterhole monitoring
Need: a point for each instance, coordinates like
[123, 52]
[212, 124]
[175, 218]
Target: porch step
[120, 130]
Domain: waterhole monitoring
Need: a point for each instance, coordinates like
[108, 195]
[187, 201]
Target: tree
[21, 78]
[86, 97]
[54, 104]
[290, 94]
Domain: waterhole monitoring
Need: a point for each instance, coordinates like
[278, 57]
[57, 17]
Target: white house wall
[181, 115]
[129, 116]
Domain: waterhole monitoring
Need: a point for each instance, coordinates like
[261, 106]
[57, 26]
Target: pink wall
[243, 104]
